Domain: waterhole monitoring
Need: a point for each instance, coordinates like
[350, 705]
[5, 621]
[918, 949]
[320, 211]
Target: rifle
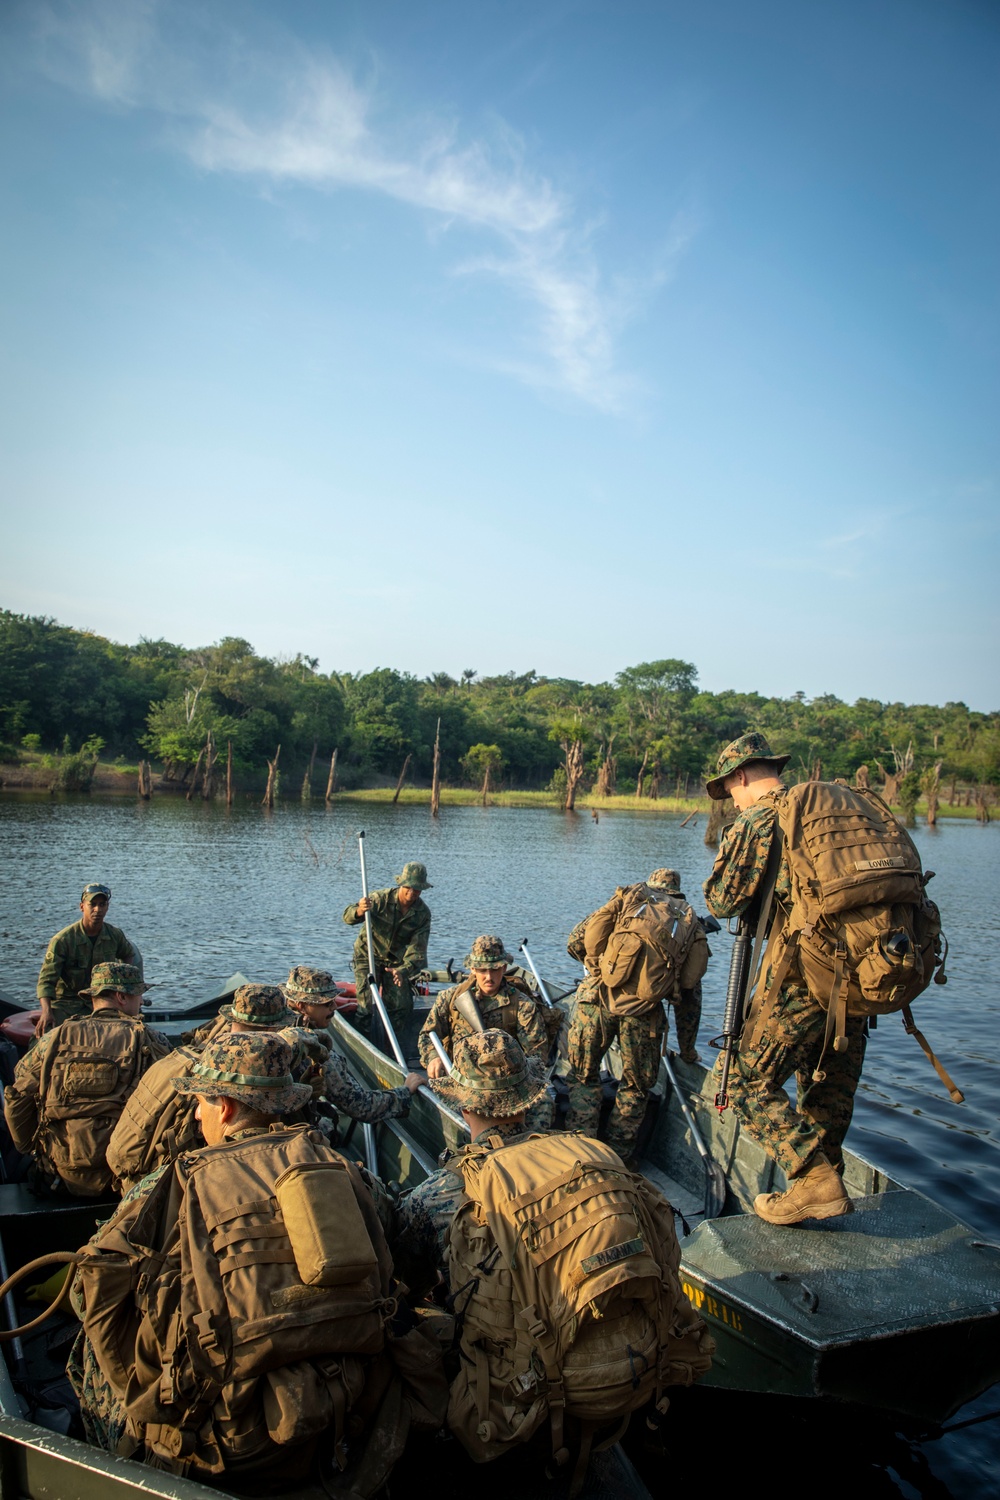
[748, 944]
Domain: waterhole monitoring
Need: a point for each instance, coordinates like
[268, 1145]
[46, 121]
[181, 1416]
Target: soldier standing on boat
[72, 954]
[804, 1139]
[602, 1012]
[70, 1089]
[489, 999]
[401, 926]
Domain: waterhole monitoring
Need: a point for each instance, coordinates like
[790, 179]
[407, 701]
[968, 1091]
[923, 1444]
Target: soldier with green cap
[72, 954]
[401, 927]
[806, 1138]
[602, 1015]
[488, 999]
[71, 1087]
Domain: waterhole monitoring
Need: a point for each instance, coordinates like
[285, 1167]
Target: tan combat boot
[817, 1193]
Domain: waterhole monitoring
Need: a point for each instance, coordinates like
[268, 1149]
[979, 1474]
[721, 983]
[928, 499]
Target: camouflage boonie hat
[666, 880]
[260, 1005]
[253, 1070]
[415, 876]
[488, 952]
[310, 985]
[109, 977]
[752, 746]
[492, 1076]
[95, 889]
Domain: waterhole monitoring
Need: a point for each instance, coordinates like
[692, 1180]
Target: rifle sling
[755, 1019]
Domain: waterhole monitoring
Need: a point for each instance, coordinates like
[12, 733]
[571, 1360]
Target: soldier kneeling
[241, 1302]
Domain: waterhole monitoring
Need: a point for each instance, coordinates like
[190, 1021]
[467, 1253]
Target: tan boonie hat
[751, 746]
[492, 1076]
[666, 880]
[488, 952]
[310, 986]
[414, 874]
[115, 977]
[253, 1070]
[259, 1005]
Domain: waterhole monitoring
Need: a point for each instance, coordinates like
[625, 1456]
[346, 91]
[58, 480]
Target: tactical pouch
[324, 1224]
[89, 1080]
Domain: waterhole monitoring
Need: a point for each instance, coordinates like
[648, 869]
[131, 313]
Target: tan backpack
[859, 925]
[157, 1122]
[87, 1076]
[643, 955]
[253, 1325]
[564, 1274]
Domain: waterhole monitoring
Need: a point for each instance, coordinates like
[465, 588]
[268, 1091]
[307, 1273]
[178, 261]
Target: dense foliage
[61, 689]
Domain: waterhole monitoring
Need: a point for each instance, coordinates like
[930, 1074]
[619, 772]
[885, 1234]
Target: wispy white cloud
[285, 116]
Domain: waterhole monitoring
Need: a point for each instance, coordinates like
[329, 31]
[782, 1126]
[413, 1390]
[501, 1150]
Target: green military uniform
[69, 963]
[792, 1040]
[640, 1037]
[400, 935]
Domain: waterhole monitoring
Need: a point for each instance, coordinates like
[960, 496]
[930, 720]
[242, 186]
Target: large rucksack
[157, 1122]
[564, 1274]
[88, 1074]
[253, 1323]
[642, 957]
[859, 926]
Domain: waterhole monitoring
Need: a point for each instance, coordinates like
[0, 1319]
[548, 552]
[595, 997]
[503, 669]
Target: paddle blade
[715, 1189]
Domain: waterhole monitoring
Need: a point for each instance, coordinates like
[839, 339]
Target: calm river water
[205, 891]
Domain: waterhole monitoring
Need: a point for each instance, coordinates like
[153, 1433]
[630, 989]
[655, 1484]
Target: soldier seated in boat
[70, 1089]
[607, 1007]
[489, 999]
[401, 927]
[564, 1264]
[237, 1304]
[159, 1120]
[71, 957]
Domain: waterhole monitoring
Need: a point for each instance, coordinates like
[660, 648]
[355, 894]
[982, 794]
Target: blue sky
[503, 335]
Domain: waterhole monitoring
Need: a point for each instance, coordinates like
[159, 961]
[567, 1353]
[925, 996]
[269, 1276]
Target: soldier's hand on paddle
[414, 1081]
[364, 905]
[435, 1068]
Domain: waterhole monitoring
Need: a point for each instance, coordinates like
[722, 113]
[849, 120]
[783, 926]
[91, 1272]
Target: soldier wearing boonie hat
[805, 1142]
[70, 1088]
[489, 998]
[72, 954]
[401, 926]
[495, 1086]
[253, 1069]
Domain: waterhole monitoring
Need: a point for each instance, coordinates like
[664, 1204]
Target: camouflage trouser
[792, 1043]
[640, 1038]
[102, 1413]
[686, 1012]
[398, 1001]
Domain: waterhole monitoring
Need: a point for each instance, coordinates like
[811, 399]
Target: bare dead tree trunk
[272, 780]
[331, 780]
[951, 793]
[486, 786]
[402, 778]
[654, 785]
[574, 771]
[307, 789]
[689, 817]
[194, 778]
[208, 780]
[932, 787]
[642, 774]
[816, 774]
[229, 773]
[721, 814]
[982, 808]
[145, 780]
[861, 780]
[436, 775]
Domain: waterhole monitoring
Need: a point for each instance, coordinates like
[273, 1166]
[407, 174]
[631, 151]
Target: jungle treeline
[652, 730]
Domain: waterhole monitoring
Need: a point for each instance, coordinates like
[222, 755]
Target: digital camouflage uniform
[69, 963]
[793, 1037]
[44, 1115]
[493, 1078]
[400, 937]
[640, 1037]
